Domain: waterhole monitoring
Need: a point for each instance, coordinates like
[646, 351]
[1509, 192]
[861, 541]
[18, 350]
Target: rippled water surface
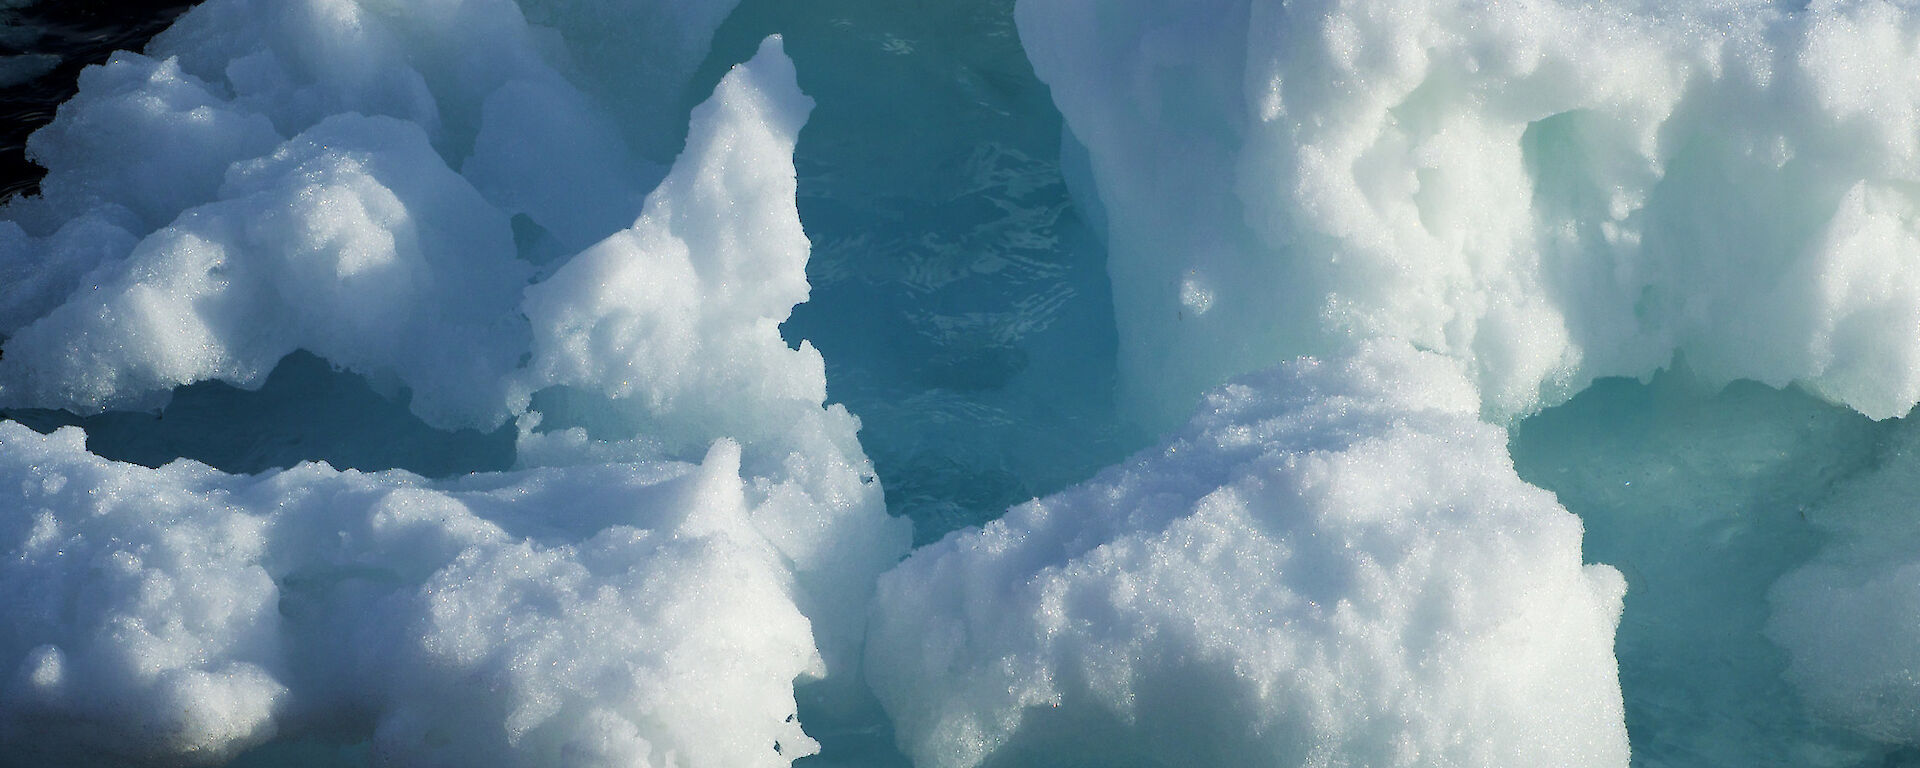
[959, 300]
[43, 46]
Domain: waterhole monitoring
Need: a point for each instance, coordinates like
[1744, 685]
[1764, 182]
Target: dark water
[63, 37]
[305, 411]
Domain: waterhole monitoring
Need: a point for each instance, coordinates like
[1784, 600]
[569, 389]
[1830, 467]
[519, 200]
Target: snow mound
[1332, 564]
[357, 180]
[667, 334]
[562, 616]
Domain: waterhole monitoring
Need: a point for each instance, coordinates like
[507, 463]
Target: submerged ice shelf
[1146, 382]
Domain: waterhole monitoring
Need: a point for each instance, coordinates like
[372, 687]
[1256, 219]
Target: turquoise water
[960, 300]
[1699, 498]
[961, 303]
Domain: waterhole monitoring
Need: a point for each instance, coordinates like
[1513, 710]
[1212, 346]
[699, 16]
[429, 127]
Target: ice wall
[1550, 191]
[665, 337]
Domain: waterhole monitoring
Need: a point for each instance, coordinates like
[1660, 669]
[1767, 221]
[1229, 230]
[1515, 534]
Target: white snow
[670, 330]
[1332, 564]
[609, 615]
[1362, 236]
[605, 604]
[1554, 192]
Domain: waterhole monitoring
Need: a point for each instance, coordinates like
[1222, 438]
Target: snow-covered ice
[1553, 192]
[1510, 384]
[1334, 564]
[559, 615]
[547, 617]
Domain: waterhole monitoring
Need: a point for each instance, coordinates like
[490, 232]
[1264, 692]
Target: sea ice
[668, 333]
[1351, 246]
[1332, 564]
[352, 241]
[606, 603]
[1553, 192]
[560, 616]
[1546, 194]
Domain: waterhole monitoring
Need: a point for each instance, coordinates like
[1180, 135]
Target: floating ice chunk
[715, 262]
[147, 138]
[498, 96]
[1550, 191]
[353, 241]
[556, 616]
[436, 62]
[298, 62]
[670, 330]
[665, 335]
[144, 142]
[1332, 564]
[347, 240]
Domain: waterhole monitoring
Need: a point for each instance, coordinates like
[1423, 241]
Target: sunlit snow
[967, 383]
